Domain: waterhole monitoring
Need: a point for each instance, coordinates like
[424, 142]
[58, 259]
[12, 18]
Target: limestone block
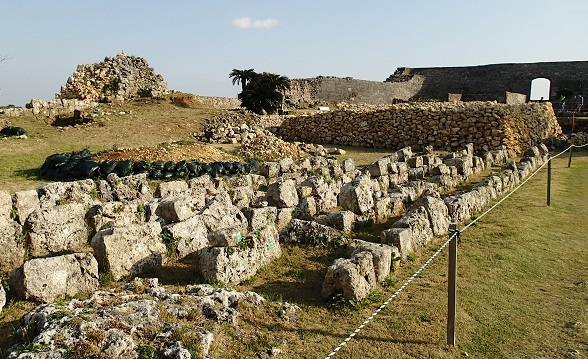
[286, 164]
[418, 221]
[283, 217]
[309, 232]
[325, 194]
[220, 213]
[357, 195]
[177, 208]
[342, 220]
[48, 279]
[129, 250]
[171, 188]
[404, 153]
[260, 217]
[12, 244]
[400, 238]
[5, 204]
[306, 209]
[25, 202]
[242, 196]
[270, 169]
[382, 256]
[437, 213]
[226, 237]
[52, 194]
[282, 194]
[414, 162]
[354, 278]
[129, 188]
[379, 167]
[189, 236]
[2, 297]
[56, 229]
[348, 165]
[116, 213]
[237, 264]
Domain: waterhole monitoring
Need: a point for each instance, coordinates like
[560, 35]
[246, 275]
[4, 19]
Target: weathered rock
[235, 264]
[270, 169]
[418, 221]
[306, 208]
[220, 213]
[12, 244]
[354, 278]
[176, 351]
[129, 188]
[188, 237]
[5, 204]
[283, 217]
[172, 188]
[56, 230]
[55, 193]
[357, 195]
[227, 237]
[47, 279]
[282, 194]
[400, 238]
[116, 213]
[2, 297]
[348, 165]
[129, 250]
[25, 202]
[382, 256]
[379, 167]
[177, 209]
[242, 196]
[260, 217]
[342, 220]
[300, 231]
[437, 213]
[325, 194]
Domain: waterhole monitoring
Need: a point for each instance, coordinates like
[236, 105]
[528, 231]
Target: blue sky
[194, 45]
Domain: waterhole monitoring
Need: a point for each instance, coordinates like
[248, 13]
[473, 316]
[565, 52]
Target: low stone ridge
[137, 315]
[52, 278]
[117, 78]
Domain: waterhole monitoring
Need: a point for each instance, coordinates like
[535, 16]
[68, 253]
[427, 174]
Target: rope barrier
[411, 278]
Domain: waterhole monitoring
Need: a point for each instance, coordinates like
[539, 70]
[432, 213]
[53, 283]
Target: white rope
[409, 280]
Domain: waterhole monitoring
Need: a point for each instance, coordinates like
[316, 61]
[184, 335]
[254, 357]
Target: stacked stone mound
[237, 127]
[445, 126]
[268, 147]
[116, 78]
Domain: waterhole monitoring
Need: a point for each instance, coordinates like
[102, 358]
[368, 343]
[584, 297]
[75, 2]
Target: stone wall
[334, 89]
[471, 83]
[491, 82]
[219, 102]
[116, 78]
[445, 125]
[53, 107]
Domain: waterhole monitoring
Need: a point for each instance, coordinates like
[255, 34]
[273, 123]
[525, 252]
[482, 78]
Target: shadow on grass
[32, 174]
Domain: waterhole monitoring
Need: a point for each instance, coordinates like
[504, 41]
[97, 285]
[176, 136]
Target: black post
[549, 182]
[570, 158]
[451, 285]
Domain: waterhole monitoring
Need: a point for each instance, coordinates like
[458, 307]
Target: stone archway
[540, 88]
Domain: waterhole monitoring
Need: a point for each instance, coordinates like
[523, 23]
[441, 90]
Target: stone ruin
[227, 228]
[116, 78]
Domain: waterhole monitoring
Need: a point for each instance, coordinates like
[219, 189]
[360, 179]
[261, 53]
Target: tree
[263, 92]
[242, 76]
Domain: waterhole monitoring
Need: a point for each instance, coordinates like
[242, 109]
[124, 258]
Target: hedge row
[80, 165]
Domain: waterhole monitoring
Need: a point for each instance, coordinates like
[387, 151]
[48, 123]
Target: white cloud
[248, 23]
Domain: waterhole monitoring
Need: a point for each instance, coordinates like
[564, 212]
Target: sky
[195, 44]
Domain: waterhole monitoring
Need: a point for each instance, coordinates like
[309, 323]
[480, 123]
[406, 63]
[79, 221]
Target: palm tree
[242, 76]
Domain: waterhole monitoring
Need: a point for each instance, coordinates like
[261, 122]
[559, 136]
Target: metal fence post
[451, 284]
[570, 158]
[549, 182]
